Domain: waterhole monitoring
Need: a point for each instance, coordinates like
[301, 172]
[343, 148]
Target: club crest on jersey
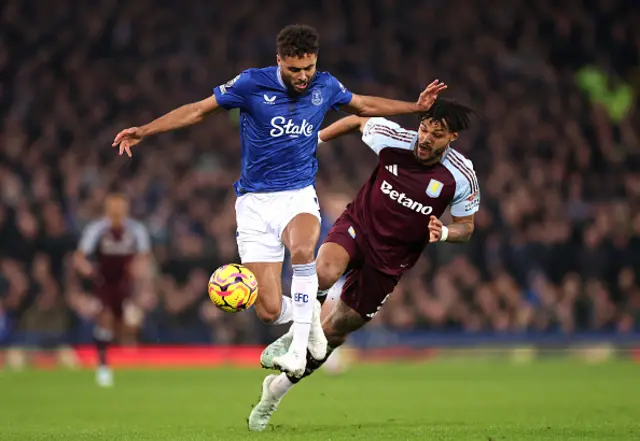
[434, 188]
[316, 97]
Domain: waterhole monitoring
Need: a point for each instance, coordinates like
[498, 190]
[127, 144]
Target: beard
[288, 82]
[434, 154]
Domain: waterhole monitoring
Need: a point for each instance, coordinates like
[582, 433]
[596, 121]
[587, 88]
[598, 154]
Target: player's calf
[103, 334]
[270, 311]
[341, 322]
[271, 306]
[103, 337]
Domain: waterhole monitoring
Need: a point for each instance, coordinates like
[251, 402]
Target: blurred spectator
[557, 242]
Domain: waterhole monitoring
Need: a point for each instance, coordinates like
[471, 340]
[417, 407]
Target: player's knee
[106, 319]
[268, 313]
[328, 273]
[302, 252]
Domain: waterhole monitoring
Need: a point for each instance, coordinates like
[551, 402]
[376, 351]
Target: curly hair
[297, 41]
[456, 117]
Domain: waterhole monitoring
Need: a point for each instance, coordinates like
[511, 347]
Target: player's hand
[430, 94]
[127, 139]
[86, 269]
[435, 229]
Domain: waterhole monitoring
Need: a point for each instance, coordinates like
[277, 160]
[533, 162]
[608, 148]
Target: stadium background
[556, 252]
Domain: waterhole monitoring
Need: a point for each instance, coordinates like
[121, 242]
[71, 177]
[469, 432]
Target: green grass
[454, 400]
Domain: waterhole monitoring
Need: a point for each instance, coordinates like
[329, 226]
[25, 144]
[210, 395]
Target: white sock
[286, 312]
[304, 289]
[102, 334]
[280, 385]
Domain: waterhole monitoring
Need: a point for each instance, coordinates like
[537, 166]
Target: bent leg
[262, 252]
[341, 321]
[338, 252]
[363, 294]
[300, 236]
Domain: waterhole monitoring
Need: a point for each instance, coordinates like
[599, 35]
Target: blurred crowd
[557, 240]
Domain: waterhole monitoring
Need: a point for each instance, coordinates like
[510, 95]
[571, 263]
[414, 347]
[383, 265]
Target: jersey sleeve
[466, 200]
[90, 237]
[235, 92]
[142, 238]
[379, 133]
[340, 95]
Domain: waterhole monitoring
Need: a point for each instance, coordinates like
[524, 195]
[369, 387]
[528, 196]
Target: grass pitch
[454, 400]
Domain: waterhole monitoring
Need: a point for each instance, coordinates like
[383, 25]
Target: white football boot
[292, 363]
[317, 340]
[277, 354]
[104, 376]
[276, 349]
[261, 413]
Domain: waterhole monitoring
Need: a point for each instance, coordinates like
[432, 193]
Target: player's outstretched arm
[341, 127]
[460, 230]
[82, 264]
[363, 105]
[183, 116]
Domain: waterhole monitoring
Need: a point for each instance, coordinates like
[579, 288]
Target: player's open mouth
[424, 150]
[301, 85]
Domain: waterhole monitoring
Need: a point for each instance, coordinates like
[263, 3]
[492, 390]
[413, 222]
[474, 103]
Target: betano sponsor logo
[403, 200]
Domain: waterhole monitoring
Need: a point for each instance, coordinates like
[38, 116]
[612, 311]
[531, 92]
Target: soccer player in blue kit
[281, 110]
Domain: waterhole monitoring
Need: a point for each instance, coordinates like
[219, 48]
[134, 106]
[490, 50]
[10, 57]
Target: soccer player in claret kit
[383, 232]
[115, 242]
[281, 110]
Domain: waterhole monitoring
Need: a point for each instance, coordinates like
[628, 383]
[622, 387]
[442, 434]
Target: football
[233, 288]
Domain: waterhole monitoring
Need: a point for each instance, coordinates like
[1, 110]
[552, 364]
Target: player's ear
[278, 59]
[454, 136]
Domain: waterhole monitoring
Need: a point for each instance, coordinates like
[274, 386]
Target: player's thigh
[332, 261]
[340, 322]
[257, 242]
[105, 319]
[300, 224]
[366, 289]
[339, 251]
[111, 306]
[269, 300]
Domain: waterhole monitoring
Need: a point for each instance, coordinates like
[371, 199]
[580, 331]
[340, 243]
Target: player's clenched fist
[430, 94]
[435, 229]
[127, 139]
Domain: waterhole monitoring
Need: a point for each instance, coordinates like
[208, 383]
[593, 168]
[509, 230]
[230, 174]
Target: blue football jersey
[279, 131]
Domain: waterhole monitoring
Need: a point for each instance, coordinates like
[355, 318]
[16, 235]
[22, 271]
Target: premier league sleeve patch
[232, 81]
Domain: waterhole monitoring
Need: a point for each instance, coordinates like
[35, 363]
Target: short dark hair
[114, 194]
[456, 117]
[297, 40]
